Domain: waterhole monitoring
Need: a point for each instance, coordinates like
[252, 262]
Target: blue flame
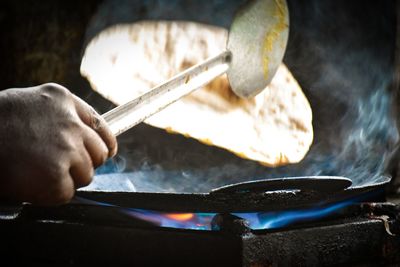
[279, 219]
[256, 220]
[198, 221]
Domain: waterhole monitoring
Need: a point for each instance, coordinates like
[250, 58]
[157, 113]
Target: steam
[366, 149]
[344, 61]
[363, 143]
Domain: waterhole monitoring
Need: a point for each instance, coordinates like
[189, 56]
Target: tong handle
[133, 112]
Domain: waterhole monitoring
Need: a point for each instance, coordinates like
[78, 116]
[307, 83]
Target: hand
[50, 142]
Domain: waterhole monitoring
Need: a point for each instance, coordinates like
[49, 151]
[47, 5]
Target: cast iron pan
[260, 195]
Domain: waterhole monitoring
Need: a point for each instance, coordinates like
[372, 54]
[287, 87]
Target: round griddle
[261, 195]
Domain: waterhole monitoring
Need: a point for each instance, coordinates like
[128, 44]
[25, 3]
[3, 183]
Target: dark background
[341, 52]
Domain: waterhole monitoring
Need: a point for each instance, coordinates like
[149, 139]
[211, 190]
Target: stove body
[360, 235]
[332, 45]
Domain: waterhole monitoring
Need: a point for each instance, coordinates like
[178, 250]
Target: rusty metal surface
[361, 242]
[74, 244]
[80, 235]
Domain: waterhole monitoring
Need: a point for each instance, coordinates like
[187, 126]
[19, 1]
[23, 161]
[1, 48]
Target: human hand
[50, 142]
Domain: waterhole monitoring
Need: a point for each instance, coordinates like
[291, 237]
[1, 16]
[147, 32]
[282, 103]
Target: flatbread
[125, 61]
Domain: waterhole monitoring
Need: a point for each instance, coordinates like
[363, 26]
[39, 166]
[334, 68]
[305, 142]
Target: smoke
[341, 52]
[367, 147]
[364, 140]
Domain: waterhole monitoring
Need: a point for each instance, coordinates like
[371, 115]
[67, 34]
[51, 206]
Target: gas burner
[346, 81]
[358, 234]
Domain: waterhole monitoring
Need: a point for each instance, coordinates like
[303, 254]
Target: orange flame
[180, 216]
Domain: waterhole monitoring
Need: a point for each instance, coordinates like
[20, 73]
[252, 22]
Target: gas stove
[190, 204]
[109, 229]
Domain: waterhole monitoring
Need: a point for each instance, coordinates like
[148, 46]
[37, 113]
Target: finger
[48, 184]
[53, 191]
[59, 193]
[91, 118]
[95, 146]
[81, 169]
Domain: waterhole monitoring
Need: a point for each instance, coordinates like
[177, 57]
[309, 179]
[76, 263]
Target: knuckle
[98, 161]
[88, 179]
[53, 169]
[60, 186]
[64, 197]
[62, 144]
[84, 180]
[70, 125]
[95, 122]
[54, 89]
[62, 194]
[58, 193]
[82, 174]
[53, 184]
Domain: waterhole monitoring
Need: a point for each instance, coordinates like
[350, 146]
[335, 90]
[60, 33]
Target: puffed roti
[125, 61]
